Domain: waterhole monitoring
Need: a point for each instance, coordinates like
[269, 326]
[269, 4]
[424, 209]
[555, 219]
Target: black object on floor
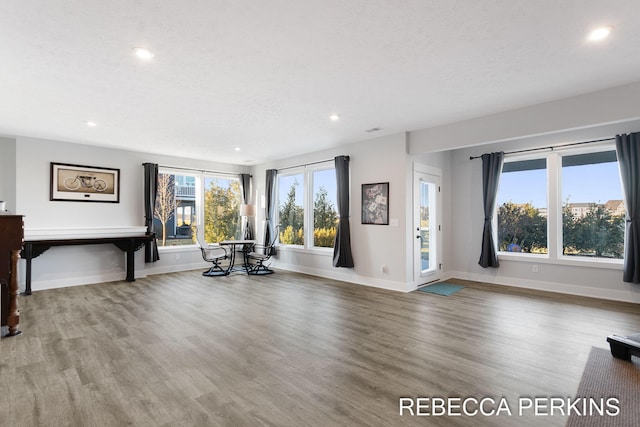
[624, 347]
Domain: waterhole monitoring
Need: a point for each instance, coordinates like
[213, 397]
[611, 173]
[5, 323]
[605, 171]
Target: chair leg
[259, 269]
[216, 270]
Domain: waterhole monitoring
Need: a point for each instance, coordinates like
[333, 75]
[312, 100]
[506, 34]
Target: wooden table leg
[131, 269]
[28, 252]
[13, 320]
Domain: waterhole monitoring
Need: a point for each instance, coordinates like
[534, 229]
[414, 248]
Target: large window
[307, 206]
[563, 204]
[183, 198]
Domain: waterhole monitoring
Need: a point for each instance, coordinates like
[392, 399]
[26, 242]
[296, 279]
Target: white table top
[237, 242]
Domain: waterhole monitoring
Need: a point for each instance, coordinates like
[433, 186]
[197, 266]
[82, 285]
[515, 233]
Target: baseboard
[41, 285]
[561, 288]
[349, 278]
[176, 268]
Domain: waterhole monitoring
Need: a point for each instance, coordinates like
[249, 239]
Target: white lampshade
[247, 210]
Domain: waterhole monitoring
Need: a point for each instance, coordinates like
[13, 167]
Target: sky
[581, 184]
[321, 178]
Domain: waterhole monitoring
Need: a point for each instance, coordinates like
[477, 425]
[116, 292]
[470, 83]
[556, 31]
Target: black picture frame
[375, 203]
[78, 183]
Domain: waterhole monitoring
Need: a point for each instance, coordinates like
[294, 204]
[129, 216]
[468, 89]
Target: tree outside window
[324, 211]
[180, 197]
[522, 207]
[593, 212]
[307, 207]
[291, 212]
[221, 209]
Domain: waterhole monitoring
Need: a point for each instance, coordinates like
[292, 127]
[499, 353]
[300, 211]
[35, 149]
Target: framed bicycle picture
[375, 203]
[76, 183]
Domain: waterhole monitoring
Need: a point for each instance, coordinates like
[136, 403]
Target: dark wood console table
[128, 244]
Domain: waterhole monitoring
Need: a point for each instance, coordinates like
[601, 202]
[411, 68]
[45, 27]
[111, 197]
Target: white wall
[588, 279]
[67, 266]
[8, 172]
[382, 159]
[615, 105]
[590, 116]
[377, 160]
[442, 160]
[390, 158]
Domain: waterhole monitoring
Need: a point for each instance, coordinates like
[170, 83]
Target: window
[522, 215]
[291, 209]
[593, 212]
[325, 216]
[221, 209]
[307, 206]
[564, 204]
[175, 209]
[181, 198]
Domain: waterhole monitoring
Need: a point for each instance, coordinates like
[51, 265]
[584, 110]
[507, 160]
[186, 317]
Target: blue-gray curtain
[245, 184]
[628, 152]
[342, 256]
[270, 210]
[150, 189]
[491, 170]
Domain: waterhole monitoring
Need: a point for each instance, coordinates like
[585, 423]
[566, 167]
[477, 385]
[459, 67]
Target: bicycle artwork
[84, 183]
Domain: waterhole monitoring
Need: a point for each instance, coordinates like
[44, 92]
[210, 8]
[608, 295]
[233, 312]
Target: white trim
[336, 274]
[553, 160]
[67, 282]
[307, 172]
[561, 288]
[178, 248]
[432, 176]
[316, 250]
[613, 264]
[201, 265]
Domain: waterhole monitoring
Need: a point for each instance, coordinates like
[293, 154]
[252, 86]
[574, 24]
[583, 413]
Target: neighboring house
[580, 210]
[616, 207]
[185, 190]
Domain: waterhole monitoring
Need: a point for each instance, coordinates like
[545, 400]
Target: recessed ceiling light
[334, 117]
[91, 124]
[143, 53]
[237, 148]
[599, 34]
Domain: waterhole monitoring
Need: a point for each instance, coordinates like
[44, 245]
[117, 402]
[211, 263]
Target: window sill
[178, 248]
[300, 249]
[613, 264]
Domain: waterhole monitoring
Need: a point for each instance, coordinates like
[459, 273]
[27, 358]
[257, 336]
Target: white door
[427, 227]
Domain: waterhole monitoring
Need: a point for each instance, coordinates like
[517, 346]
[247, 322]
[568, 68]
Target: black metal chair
[215, 255]
[257, 257]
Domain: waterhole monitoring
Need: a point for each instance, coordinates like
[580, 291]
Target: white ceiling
[264, 75]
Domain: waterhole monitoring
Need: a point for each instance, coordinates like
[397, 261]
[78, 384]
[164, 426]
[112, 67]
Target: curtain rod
[200, 170]
[307, 164]
[551, 147]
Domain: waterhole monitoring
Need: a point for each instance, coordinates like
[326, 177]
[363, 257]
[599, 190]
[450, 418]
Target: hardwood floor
[291, 350]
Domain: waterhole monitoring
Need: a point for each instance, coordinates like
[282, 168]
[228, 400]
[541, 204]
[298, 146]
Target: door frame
[432, 175]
